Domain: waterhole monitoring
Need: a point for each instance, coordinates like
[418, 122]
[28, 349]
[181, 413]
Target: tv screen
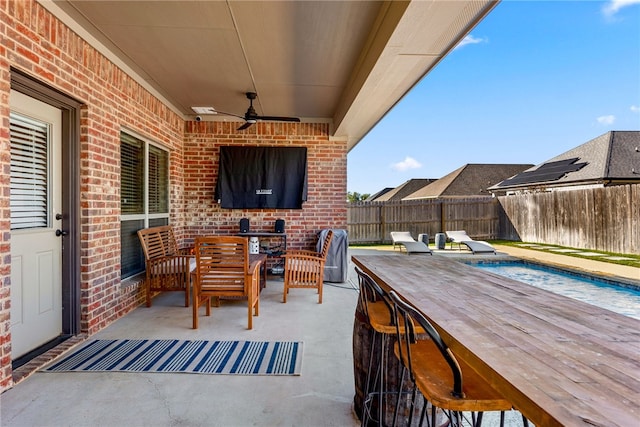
[262, 177]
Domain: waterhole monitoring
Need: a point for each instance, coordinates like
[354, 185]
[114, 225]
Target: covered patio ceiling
[343, 62]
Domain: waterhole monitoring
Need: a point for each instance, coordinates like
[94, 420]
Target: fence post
[383, 223]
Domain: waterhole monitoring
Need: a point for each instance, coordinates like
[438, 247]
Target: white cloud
[406, 164]
[472, 40]
[635, 109]
[606, 120]
[613, 6]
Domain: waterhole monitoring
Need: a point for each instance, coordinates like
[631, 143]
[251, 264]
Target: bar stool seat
[380, 318]
[435, 382]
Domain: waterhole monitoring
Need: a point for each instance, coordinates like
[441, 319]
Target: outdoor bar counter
[557, 360]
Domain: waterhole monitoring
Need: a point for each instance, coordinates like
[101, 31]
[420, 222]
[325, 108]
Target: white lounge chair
[403, 239]
[399, 237]
[460, 237]
[416, 248]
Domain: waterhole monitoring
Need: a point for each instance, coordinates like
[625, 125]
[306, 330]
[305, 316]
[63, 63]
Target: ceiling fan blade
[251, 117]
[246, 124]
[279, 118]
[224, 113]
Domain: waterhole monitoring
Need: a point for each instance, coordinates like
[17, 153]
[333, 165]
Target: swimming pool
[617, 296]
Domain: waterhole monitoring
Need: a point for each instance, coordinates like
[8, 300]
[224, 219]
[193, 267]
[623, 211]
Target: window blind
[158, 180]
[131, 175]
[29, 172]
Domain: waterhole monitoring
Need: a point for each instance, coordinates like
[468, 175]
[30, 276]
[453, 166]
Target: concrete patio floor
[321, 396]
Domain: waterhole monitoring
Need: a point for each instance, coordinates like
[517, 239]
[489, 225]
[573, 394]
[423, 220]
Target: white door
[36, 251]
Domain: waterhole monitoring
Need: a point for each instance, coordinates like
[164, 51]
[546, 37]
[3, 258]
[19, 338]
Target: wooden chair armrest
[164, 260]
[301, 253]
[252, 282]
[310, 257]
[254, 267]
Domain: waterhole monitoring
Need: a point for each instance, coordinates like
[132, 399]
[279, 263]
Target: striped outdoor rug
[177, 356]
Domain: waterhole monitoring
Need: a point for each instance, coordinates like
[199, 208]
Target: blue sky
[531, 81]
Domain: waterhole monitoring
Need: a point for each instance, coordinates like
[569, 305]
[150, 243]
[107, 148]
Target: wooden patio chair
[305, 269]
[223, 270]
[167, 267]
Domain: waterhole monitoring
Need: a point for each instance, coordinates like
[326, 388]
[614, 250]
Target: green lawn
[634, 259]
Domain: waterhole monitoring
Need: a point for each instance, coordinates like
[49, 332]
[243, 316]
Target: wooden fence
[606, 219]
[372, 222]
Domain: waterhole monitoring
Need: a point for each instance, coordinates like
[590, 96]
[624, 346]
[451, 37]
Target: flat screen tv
[253, 177]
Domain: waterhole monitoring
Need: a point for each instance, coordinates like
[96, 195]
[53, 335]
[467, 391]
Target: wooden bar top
[557, 360]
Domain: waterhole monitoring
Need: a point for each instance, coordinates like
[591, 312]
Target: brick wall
[36, 43]
[325, 207]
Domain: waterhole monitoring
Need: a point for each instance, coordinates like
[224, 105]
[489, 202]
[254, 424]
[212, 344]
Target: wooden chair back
[158, 241]
[325, 245]
[167, 267]
[223, 270]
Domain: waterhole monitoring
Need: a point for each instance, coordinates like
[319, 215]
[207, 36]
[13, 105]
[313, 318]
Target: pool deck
[547, 257]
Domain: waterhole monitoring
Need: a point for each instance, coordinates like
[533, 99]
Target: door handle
[61, 233]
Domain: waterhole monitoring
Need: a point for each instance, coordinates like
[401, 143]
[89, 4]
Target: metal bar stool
[379, 312]
[441, 379]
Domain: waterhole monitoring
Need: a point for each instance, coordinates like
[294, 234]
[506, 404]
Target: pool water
[623, 299]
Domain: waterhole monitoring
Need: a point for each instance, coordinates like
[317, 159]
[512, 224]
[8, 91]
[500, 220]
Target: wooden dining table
[559, 361]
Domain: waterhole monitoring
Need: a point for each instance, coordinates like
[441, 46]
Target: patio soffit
[343, 62]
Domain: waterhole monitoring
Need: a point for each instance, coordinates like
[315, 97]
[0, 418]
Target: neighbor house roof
[403, 190]
[611, 158]
[374, 196]
[469, 180]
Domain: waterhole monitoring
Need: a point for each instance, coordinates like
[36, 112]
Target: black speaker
[279, 228]
[244, 225]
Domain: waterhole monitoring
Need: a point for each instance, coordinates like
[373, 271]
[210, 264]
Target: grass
[633, 262]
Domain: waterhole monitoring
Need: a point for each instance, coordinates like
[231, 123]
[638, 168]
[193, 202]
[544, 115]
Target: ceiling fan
[251, 117]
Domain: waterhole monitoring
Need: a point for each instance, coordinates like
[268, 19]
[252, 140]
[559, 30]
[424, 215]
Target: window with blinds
[158, 180]
[131, 175]
[144, 197]
[29, 172]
